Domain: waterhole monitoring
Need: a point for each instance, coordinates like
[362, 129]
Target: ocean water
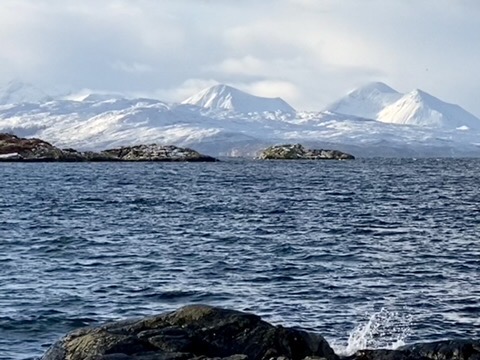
[369, 253]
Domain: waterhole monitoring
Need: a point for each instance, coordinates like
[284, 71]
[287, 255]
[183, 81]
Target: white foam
[382, 330]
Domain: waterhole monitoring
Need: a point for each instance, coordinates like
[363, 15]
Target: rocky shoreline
[299, 152]
[16, 149]
[204, 332]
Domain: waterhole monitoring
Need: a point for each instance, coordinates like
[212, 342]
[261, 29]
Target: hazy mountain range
[374, 120]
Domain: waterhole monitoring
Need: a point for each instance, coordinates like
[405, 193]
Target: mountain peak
[424, 99]
[225, 97]
[366, 101]
[423, 96]
[373, 87]
[223, 87]
[422, 109]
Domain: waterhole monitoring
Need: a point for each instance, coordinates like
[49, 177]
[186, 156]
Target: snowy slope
[366, 101]
[422, 109]
[17, 91]
[98, 123]
[228, 98]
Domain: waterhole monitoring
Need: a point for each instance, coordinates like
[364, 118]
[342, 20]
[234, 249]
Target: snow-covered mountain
[224, 97]
[380, 102]
[99, 122]
[422, 109]
[366, 101]
[17, 91]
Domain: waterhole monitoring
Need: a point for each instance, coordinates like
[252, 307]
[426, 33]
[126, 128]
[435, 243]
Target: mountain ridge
[101, 123]
[380, 102]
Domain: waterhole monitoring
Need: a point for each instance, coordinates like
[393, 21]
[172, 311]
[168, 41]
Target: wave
[382, 330]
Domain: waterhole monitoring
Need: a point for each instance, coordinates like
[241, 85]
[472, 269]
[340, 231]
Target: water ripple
[313, 244]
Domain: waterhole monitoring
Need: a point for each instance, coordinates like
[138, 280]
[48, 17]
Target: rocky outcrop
[13, 148]
[192, 332]
[298, 152]
[203, 332]
[154, 152]
[440, 350]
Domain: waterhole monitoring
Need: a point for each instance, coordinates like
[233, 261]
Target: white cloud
[316, 49]
[134, 67]
[247, 65]
[180, 92]
[272, 89]
[250, 67]
[266, 88]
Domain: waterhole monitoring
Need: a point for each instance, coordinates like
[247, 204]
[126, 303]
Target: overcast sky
[308, 52]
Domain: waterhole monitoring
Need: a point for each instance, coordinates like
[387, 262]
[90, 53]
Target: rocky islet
[299, 152]
[16, 149]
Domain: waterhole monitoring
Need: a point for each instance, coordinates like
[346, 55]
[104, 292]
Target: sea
[370, 253]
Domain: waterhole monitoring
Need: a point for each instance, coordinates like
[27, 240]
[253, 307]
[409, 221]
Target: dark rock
[203, 332]
[13, 148]
[193, 332]
[448, 349]
[383, 354]
[440, 350]
[298, 152]
[154, 152]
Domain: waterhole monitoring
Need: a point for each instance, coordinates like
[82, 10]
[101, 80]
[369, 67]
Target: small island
[16, 149]
[299, 152]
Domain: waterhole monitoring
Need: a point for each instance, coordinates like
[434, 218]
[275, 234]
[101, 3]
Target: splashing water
[382, 330]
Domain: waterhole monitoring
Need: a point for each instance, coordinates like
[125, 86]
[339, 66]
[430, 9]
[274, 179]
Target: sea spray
[381, 330]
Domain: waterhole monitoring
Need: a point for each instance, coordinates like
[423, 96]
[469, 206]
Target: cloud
[272, 89]
[180, 92]
[79, 42]
[134, 67]
[256, 68]
[265, 88]
[311, 51]
[247, 65]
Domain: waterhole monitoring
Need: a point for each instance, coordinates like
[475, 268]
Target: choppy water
[389, 248]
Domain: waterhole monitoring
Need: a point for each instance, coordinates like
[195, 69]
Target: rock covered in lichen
[154, 152]
[299, 152]
[13, 148]
[201, 332]
[192, 332]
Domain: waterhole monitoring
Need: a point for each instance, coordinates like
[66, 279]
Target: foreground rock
[203, 332]
[440, 350]
[13, 148]
[192, 332]
[298, 152]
